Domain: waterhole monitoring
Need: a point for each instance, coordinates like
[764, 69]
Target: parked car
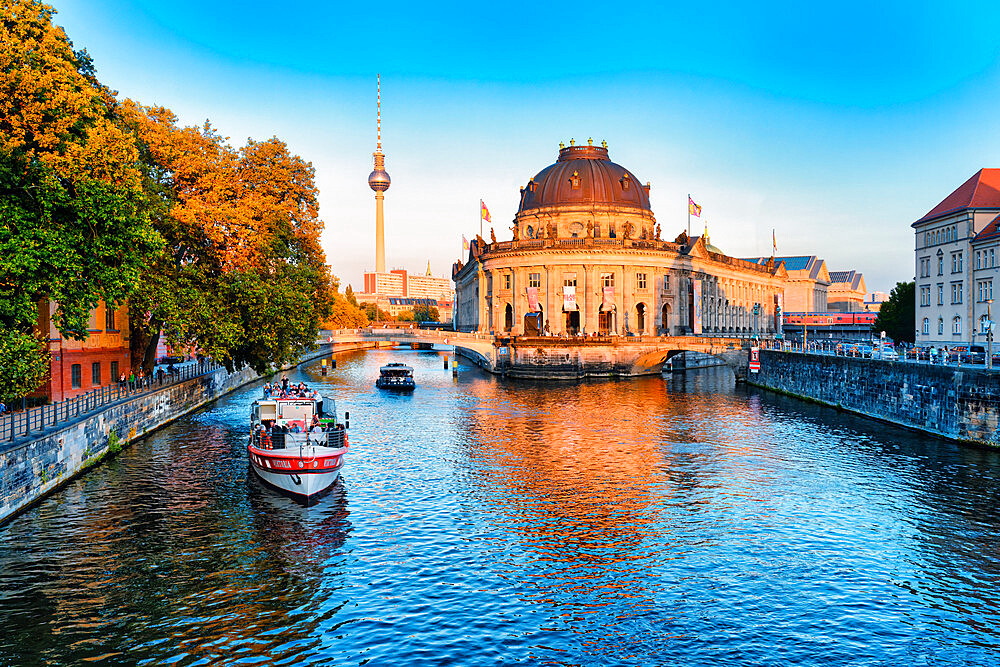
[885, 352]
[918, 354]
[975, 354]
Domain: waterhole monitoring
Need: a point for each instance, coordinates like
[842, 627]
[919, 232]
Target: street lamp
[989, 334]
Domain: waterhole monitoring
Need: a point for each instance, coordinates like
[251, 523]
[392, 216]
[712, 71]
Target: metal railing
[33, 420]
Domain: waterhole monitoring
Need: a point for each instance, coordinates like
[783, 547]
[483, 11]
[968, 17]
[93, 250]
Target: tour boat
[290, 452]
[396, 377]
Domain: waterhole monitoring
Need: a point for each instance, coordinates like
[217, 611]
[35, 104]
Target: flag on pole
[465, 247]
[693, 208]
[774, 244]
[484, 212]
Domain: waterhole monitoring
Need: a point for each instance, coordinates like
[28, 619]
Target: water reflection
[678, 520]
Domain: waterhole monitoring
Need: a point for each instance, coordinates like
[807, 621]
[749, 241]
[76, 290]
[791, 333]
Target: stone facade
[956, 258]
[957, 403]
[30, 470]
[587, 258]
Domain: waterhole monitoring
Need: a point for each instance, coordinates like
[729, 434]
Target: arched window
[927, 326]
[956, 325]
[530, 232]
[983, 324]
[940, 325]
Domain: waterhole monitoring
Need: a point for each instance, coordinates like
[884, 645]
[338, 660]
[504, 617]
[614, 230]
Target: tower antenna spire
[379, 181]
[378, 106]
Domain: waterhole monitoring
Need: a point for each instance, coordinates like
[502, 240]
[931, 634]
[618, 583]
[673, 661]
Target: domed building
[587, 257]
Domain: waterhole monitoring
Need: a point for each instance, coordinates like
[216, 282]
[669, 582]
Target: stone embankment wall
[31, 470]
[952, 402]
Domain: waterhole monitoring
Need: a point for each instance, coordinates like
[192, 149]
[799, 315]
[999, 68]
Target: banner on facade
[696, 320]
[569, 297]
[781, 313]
[533, 299]
[609, 299]
[754, 360]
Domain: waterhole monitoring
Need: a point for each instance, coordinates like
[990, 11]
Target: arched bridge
[554, 357]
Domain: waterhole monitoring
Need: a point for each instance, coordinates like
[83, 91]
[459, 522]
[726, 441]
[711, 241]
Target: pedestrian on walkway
[131, 381]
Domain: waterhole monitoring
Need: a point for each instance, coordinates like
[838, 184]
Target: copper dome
[583, 175]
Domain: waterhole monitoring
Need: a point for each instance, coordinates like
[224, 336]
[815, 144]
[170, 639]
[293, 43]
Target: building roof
[982, 190]
[990, 231]
[809, 263]
[584, 175]
[852, 278]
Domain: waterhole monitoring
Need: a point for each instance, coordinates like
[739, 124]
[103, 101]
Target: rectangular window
[925, 295]
[977, 260]
[666, 283]
[506, 281]
[534, 280]
[114, 371]
[992, 260]
[569, 280]
[940, 266]
[927, 326]
[956, 325]
[960, 256]
[74, 376]
[956, 293]
[640, 279]
[109, 318]
[607, 280]
[95, 374]
[940, 294]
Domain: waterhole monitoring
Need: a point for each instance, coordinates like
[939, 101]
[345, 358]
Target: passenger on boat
[295, 428]
[315, 423]
[284, 383]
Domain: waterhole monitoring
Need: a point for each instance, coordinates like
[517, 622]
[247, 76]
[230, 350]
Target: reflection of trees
[167, 552]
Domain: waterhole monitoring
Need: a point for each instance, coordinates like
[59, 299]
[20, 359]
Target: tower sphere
[378, 180]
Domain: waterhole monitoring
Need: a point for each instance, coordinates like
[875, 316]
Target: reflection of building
[956, 260]
[81, 365]
[847, 291]
[587, 257]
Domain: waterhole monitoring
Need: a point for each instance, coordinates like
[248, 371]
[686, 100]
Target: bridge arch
[651, 363]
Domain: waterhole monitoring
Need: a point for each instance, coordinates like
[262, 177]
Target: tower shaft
[379, 234]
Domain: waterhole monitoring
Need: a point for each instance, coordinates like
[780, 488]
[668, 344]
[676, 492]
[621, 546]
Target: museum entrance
[605, 321]
[508, 318]
[640, 318]
[533, 324]
[572, 322]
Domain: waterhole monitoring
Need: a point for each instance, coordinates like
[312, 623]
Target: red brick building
[78, 366]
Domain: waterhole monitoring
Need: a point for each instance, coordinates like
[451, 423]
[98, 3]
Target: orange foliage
[51, 106]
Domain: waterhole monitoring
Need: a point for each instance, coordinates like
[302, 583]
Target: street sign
[754, 359]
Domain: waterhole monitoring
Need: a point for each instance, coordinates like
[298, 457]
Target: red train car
[830, 319]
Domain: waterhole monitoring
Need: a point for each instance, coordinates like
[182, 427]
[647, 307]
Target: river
[478, 522]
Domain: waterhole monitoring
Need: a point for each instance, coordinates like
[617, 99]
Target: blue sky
[835, 125]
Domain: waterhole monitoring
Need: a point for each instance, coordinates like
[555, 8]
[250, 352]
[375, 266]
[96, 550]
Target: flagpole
[689, 216]
[480, 217]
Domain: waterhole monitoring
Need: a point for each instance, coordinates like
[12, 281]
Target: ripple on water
[658, 521]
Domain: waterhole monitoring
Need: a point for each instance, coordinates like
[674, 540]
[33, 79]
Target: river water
[657, 521]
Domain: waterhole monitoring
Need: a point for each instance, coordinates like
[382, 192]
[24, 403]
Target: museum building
[586, 257]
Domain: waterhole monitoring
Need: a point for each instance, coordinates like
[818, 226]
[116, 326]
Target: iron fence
[32, 420]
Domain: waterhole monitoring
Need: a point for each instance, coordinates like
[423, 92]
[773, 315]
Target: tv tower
[378, 181]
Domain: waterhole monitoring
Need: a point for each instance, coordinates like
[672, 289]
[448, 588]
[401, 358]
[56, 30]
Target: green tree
[897, 316]
[349, 295]
[425, 313]
[73, 221]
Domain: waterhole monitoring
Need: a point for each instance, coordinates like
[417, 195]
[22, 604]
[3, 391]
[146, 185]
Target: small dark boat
[396, 377]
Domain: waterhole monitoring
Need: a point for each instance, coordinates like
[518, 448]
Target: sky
[833, 125]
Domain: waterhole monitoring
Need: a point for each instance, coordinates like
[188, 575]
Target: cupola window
[574, 180]
[626, 182]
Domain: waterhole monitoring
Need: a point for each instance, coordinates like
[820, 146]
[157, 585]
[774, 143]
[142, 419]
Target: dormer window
[626, 182]
[574, 180]
[531, 186]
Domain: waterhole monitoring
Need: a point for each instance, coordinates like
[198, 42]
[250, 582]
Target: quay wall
[32, 469]
[952, 402]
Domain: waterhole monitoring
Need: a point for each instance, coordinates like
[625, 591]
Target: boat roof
[396, 366]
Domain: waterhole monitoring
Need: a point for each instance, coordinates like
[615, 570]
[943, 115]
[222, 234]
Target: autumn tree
[73, 220]
[242, 276]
